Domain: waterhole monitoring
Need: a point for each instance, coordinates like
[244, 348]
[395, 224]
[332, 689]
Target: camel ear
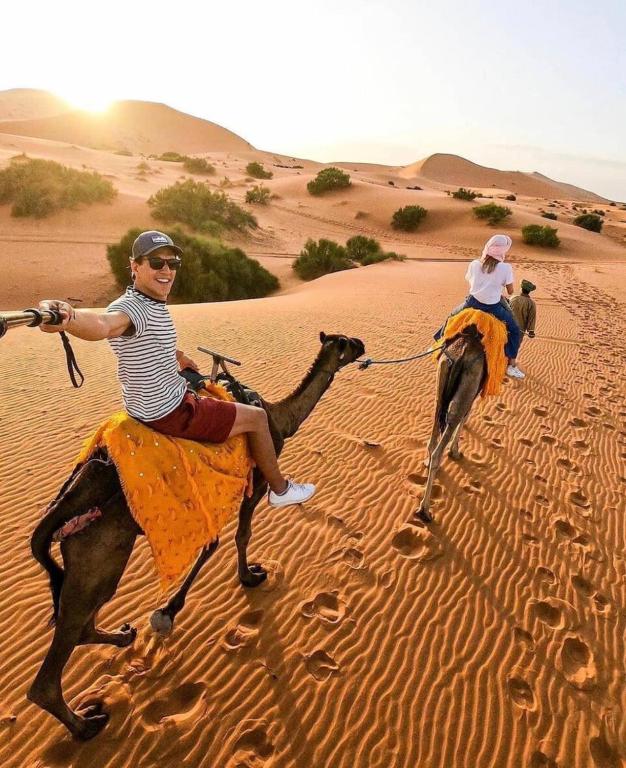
[322, 336]
[343, 343]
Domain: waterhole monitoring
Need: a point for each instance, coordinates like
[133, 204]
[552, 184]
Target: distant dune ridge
[456, 171]
[136, 126]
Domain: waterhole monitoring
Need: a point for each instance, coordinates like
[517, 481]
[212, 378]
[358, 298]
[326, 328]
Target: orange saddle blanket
[181, 492]
[494, 336]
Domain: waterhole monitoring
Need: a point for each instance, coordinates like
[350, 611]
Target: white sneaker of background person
[514, 372]
[295, 493]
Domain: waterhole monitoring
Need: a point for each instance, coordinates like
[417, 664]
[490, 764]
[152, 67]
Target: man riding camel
[139, 328]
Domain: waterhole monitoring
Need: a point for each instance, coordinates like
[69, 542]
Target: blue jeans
[499, 310]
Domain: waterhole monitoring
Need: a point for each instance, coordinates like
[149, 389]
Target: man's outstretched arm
[85, 323]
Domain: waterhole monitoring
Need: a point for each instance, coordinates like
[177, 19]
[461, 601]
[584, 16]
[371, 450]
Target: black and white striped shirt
[146, 360]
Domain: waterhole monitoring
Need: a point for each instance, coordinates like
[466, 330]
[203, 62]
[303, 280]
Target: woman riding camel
[487, 277]
[139, 328]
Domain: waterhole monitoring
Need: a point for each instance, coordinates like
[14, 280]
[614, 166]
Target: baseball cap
[147, 242]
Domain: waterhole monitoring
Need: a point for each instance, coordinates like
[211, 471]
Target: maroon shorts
[198, 418]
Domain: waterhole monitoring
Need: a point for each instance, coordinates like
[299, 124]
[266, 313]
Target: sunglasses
[156, 262]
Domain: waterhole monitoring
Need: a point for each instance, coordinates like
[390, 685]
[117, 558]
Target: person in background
[524, 309]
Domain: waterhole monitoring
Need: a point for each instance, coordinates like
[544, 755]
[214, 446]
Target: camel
[95, 559]
[461, 372]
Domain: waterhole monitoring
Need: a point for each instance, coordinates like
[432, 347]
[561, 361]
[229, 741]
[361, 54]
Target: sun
[87, 100]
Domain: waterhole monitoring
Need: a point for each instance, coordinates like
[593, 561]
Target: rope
[365, 364]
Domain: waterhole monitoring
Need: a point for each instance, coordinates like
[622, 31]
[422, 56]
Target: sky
[525, 85]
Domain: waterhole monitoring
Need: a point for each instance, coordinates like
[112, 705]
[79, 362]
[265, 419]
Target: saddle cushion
[494, 336]
[180, 492]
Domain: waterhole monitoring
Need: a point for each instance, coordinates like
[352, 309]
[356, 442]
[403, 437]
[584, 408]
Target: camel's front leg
[454, 452]
[162, 620]
[423, 513]
[253, 574]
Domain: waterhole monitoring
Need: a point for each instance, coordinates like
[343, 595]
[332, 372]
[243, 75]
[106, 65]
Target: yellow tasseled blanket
[181, 492]
[494, 340]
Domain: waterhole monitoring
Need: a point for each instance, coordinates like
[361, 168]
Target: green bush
[495, 214]
[211, 271]
[512, 198]
[258, 194]
[408, 218]
[198, 165]
[465, 194]
[257, 171]
[40, 187]
[194, 203]
[327, 180]
[367, 251]
[534, 234]
[590, 221]
[321, 258]
[548, 215]
[143, 167]
[172, 157]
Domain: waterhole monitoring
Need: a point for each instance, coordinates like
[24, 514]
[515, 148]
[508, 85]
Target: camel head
[340, 350]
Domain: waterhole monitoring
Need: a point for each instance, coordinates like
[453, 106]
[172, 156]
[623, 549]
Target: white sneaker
[514, 372]
[296, 493]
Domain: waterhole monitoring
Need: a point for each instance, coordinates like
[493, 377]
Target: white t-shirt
[487, 287]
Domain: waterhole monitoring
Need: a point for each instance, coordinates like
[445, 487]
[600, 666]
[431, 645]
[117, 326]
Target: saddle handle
[219, 361]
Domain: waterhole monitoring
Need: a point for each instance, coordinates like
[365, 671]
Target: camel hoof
[128, 635]
[455, 455]
[161, 623]
[92, 721]
[256, 575]
[424, 515]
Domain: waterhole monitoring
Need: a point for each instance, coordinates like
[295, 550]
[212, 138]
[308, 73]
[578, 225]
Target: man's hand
[531, 334]
[186, 362]
[66, 311]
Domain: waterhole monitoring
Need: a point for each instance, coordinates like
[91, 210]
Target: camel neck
[289, 414]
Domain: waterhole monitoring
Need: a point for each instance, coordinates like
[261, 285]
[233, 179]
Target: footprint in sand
[184, 703]
[528, 538]
[603, 755]
[321, 666]
[328, 607]
[549, 614]
[526, 441]
[577, 663]
[566, 464]
[543, 500]
[593, 411]
[548, 439]
[416, 543]
[354, 558]
[496, 442]
[601, 603]
[578, 423]
[545, 574]
[245, 633]
[579, 499]
[540, 411]
[522, 636]
[253, 745]
[474, 486]
[521, 693]
[417, 478]
[582, 585]
[565, 529]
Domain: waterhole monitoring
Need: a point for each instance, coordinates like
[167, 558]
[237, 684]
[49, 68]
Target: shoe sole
[289, 503]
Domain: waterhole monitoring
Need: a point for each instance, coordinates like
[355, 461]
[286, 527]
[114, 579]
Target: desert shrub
[391, 183]
[465, 194]
[40, 187]
[590, 221]
[366, 251]
[321, 258]
[512, 198]
[548, 215]
[194, 203]
[198, 165]
[494, 214]
[172, 157]
[328, 179]
[143, 167]
[599, 212]
[361, 215]
[258, 194]
[124, 152]
[257, 171]
[211, 271]
[408, 218]
[534, 234]
[415, 187]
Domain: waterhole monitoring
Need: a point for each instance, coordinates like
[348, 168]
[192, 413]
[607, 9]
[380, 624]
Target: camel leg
[423, 512]
[122, 638]
[94, 562]
[162, 620]
[454, 452]
[253, 574]
[435, 435]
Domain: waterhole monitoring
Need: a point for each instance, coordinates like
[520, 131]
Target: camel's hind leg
[423, 513]
[455, 452]
[94, 562]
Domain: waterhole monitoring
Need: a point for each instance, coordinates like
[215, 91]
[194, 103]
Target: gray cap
[150, 241]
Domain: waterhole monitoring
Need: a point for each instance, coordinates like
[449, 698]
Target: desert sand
[495, 637]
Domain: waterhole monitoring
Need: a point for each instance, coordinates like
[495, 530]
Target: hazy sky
[522, 85]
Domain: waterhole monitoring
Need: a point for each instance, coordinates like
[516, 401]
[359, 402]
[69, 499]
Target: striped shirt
[146, 359]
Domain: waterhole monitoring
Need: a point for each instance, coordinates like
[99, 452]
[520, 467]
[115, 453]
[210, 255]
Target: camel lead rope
[365, 364]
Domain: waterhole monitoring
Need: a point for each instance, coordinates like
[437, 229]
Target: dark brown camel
[460, 375]
[95, 559]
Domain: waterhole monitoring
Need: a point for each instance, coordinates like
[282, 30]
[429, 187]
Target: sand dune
[29, 104]
[136, 126]
[455, 170]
